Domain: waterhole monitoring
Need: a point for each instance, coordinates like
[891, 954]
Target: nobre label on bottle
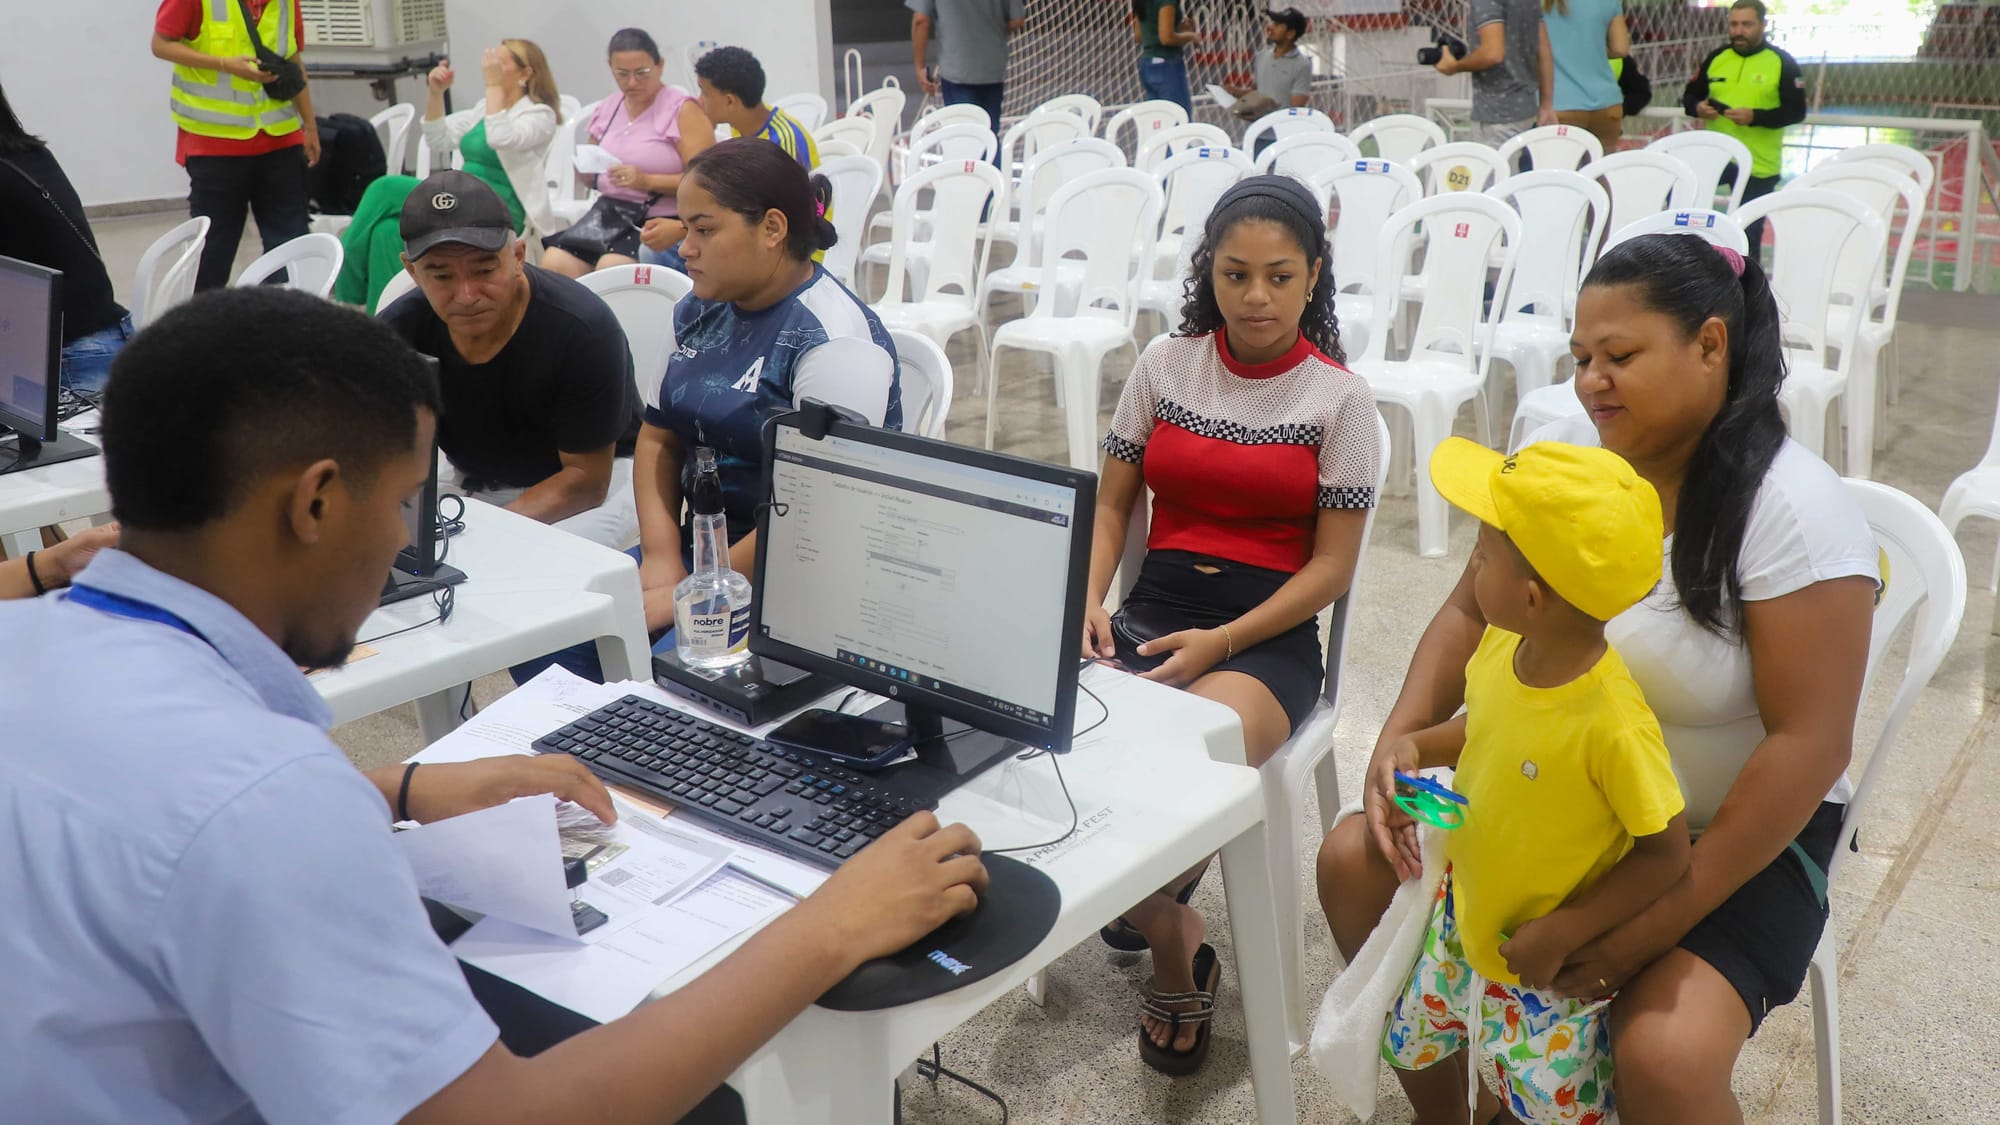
[707, 625]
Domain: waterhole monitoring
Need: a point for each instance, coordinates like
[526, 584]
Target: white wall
[82, 75]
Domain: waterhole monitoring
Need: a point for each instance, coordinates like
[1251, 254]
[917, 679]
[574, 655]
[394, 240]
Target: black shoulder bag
[291, 76]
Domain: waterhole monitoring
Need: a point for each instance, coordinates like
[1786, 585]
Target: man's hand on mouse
[917, 877]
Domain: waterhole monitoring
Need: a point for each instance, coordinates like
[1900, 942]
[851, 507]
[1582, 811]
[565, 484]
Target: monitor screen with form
[927, 577]
[30, 342]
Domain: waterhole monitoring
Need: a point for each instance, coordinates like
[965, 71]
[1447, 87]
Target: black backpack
[1635, 86]
[350, 158]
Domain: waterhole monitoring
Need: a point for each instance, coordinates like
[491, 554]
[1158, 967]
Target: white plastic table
[36, 498]
[530, 590]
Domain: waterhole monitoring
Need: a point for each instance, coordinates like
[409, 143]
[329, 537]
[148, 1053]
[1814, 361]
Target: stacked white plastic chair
[1155, 148]
[1305, 155]
[856, 180]
[1552, 148]
[1290, 121]
[1567, 213]
[1711, 154]
[942, 302]
[856, 131]
[953, 144]
[1042, 176]
[1082, 105]
[166, 272]
[311, 263]
[1459, 166]
[809, 110]
[1143, 119]
[1642, 182]
[1367, 193]
[1911, 162]
[1399, 136]
[1192, 182]
[882, 108]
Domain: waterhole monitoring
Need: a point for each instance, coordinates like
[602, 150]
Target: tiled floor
[1916, 913]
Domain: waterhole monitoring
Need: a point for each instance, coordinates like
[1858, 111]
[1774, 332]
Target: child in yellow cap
[1573, 819]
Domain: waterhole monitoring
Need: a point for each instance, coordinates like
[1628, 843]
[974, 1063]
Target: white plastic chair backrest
[1145, 118]
[424, 157]
[1459, 166]
[166, 271]
[809, 110]
[958, 192]
[1037, 131]
[1192, 181]
[569, 107]
[1714, 226]
[857, 131]
[1101, 217]
[399, 283]
[1567, 213]
[950, 143]
[579, 126]
[1290, 121]
[1398, 136]
[945, 116]
[1302, 155]
[643, 297]
[1367, 192]
[392, 128]
[1881, 187]
[311, 262]
[559, 168]
[1552, 147]
[1046, 172]
[1902, 157]
[1464, 230]
[1710, 154]
[1082, 105]
[1641, 182]
[925, 380]
[856, 181]
[830, 149]
[1924, 587]
[882, 108]
[1155, 148]
[1814, 227]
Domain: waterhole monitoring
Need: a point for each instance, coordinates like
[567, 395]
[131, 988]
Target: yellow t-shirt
[1557, 782]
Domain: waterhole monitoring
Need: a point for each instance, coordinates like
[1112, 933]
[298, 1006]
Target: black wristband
[35, 578]
[403, 796]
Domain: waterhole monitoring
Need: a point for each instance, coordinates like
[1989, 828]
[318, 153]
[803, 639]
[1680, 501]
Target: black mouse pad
[1016, 913]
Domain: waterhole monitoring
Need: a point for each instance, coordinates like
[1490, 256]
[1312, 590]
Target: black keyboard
[795, 802]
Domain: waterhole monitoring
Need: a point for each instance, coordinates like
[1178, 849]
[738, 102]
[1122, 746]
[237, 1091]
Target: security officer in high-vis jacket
[1751, 91]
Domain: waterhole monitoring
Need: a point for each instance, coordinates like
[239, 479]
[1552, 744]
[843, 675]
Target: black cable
[935, 1069]
[444, 597]
[449, 527]
[465, 703]
[1056, 761]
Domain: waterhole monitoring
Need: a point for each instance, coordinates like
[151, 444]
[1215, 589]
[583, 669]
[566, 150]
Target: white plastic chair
[1082, 105]
[857, 131]
[882, 108]
[830, 149]
[1881, 188]
[1810, 271]
[1156, 148]
[1398, 136]
[1145, 118]
[569, 199]
[1926, 589]
[942, 303]
[392, 127]
[166, 272]
[1901, 157]
[1976, 492]
[423, 164]
[1642, 182]
[1459, 166]
[1710, 154]
[1290, 121]
[1539, 407]
[856, 181]
[1552, 147]
[925, 373]
[952, 144]
[1367, 193]
[1042, 176]
[1038, 131]
[936, 121]
[1304, 155]
[1099, 216]
[1192, 181]
[809, 110]
[1567, 213]
[310, 261]
[399, 283]
[569, 107]
[643, 297]
[1450, 344]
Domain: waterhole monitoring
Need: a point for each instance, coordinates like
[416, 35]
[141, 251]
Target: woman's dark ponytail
[1687, 279]
[823, 231]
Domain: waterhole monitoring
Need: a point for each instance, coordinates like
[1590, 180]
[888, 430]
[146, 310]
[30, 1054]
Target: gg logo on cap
[443, 201]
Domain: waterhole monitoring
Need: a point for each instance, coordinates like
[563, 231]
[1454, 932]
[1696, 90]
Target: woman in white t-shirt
[1752, 653]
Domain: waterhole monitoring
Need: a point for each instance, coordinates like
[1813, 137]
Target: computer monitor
[420, 567]
[949, 579]
[31, 368]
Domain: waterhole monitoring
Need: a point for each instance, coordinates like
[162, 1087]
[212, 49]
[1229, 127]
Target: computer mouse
[1017, 911]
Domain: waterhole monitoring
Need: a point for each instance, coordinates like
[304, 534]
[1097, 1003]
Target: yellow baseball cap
[1588, 524]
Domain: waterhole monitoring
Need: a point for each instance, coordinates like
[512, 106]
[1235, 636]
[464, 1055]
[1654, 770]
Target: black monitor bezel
[44, 429]
[421, 556]
[1064, 657]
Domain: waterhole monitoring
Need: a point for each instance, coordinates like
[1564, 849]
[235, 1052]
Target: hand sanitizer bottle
[712, 604]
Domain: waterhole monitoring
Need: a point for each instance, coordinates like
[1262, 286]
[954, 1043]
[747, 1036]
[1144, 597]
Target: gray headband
[1285, 190]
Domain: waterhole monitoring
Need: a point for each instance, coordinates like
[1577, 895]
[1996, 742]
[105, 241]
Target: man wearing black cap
[1283, 73]
[540, 406]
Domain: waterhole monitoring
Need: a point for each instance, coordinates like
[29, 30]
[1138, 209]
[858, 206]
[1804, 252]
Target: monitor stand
[402, 585]
[33, 454]
[946, 758]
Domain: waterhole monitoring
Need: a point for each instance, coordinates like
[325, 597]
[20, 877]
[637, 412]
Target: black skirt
[1175, 588]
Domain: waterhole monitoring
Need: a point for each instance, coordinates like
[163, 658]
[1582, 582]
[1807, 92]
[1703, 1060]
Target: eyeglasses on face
[639, 75]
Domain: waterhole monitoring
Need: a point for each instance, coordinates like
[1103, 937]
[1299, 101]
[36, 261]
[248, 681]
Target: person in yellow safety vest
[244, 150]
[1752, 91]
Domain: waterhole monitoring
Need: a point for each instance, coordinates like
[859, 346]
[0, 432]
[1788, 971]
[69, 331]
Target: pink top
[651, 143]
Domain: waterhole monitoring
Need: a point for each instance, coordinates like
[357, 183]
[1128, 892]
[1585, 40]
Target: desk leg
[1253, 924]
[817, 1074]
[437, 713]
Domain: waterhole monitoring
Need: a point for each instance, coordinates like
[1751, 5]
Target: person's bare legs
[1676, 1030]
[610, 260]
[558, 260]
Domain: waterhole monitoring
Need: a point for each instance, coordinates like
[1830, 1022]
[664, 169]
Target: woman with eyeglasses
[653, 130]
[504, 141]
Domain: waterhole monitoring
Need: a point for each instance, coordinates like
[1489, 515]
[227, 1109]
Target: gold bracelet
[1231, 642]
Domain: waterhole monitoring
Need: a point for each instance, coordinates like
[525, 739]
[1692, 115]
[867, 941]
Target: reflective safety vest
[1749, 83]
[214, 103]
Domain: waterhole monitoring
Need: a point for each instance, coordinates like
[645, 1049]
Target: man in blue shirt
[206, 920]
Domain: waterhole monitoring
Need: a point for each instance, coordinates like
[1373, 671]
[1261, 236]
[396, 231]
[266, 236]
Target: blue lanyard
[122, 606]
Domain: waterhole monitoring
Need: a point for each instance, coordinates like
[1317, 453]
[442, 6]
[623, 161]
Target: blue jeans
[86, 360]
[985, 95]
[670, 257]
[1165, 78]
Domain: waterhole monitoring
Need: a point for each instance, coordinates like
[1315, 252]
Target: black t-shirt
[33, 229]
[563, 384]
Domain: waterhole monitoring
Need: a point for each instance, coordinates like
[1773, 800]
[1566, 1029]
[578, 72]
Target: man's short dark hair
[733, 70]
[238, 384]
[1756, 6]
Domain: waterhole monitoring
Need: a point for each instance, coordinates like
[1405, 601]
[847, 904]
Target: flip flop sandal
[1120, 936]
[1166, 1060]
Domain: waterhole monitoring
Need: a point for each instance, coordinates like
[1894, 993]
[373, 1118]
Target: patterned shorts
[1551, 1057]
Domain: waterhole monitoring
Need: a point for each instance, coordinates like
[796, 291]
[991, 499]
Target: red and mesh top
[1241, 457]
